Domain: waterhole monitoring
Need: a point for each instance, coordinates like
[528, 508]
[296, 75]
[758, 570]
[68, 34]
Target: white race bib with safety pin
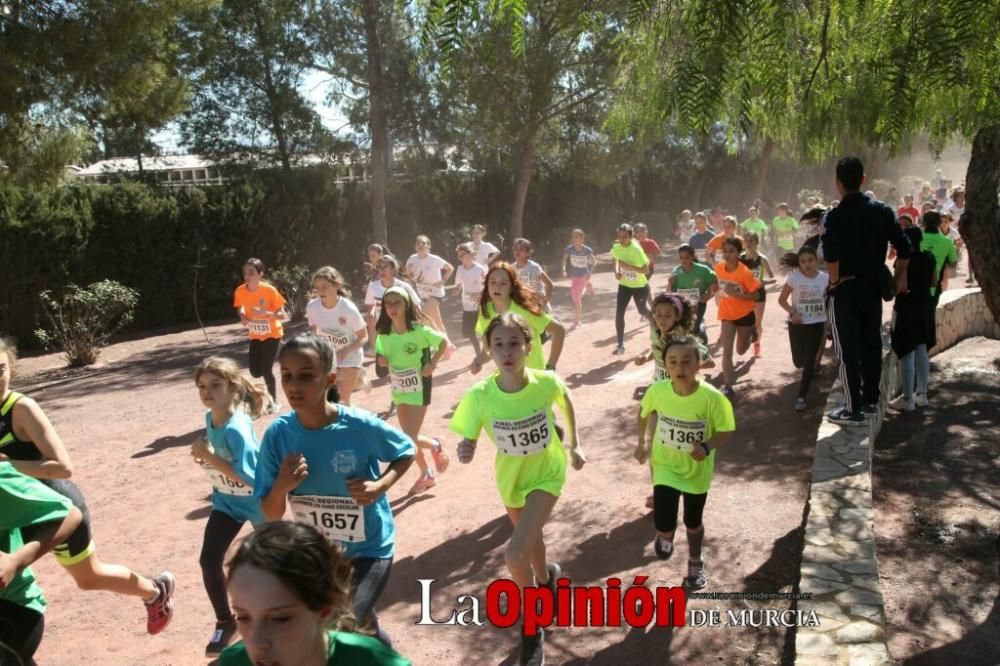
[724, 287]
[225, 485]
[659, 371]
[810, 307]
[525, 436]
[425, 290]
[578, 260]
[470, 298]
[337, 337]
[406, 381]
[680, 434]
[260, 326]
[629, 276]
[337, 518]
[692, 296]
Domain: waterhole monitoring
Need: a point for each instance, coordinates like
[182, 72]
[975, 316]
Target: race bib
[810, 307]
[524, 277]
[406, 381]
[629, 276]
[578, 260]
[260, 326]
[523, 436]
[470, 298]
[425, 290]
[702, 255]
[692, 296]
[725, 284]
[225, 485]
[680, 434]
[659, 371]
[336, 518]
[338, 337]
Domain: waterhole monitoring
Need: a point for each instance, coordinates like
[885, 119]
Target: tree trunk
[763, 166]
[980, 225]
[521, 185]
[377, 124]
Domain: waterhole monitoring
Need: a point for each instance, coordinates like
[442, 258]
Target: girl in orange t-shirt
[738, 290]
[261, 309]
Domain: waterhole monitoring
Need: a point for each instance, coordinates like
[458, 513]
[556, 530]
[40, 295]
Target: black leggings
[220, 531]
[805, 340]
[262, 355]
[21, 632]
[699, 322]
[637, 294]
[665, 503]
[370, 577]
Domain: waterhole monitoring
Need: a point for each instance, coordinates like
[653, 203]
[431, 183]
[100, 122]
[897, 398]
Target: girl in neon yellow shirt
[514, 405]
[693, 418]
[630, 271]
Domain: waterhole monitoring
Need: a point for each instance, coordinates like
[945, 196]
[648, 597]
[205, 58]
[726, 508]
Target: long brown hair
[522, 294]
[250, 397]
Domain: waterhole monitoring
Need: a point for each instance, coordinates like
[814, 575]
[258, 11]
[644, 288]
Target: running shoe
[662, 547]
[366, 384]
[424, 483]
[532, 649]
[845, 418]
[619, 350]
[920, 399]
[555, 573]
[869, 410]
[800, 404]
[903, 404]
[441, 459]
[221, 637]
[449, 350]
[161, 610]
[696, 578]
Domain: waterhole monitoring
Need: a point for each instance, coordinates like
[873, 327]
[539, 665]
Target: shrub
[293, 283]
[84, 318]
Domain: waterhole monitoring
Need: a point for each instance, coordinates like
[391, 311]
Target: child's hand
[202, 450]
[618, 276]
[475, 366]
[466, 451]
[428, 369]
[641, 359]
[381, 361]
[641, 454]
[294, 471]
[364, 491]
[577, 458]
[698, 452]
[795, 317]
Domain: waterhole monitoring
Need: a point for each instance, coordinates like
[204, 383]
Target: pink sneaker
[160, 612]
[441, 459]
[424, 483]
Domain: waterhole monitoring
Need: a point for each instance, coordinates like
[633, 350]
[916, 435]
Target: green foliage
[293, 283]
[83, 319]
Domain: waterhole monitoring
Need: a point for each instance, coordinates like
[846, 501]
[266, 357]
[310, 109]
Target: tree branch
[822, 50]
[562, 106]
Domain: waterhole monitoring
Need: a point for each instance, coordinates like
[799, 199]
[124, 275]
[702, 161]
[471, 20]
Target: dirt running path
[129, 423]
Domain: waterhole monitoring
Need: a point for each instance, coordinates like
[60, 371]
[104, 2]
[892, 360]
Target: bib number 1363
[337, 518]
[522, 437]
[680, 434]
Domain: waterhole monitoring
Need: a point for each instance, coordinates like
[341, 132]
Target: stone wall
[839, 562]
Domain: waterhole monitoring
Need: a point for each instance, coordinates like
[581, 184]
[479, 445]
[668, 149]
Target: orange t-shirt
[715, 245]
[731, 308]
[265, 297]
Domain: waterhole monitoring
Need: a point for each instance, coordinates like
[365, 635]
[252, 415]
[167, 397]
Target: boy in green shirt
[785, 227]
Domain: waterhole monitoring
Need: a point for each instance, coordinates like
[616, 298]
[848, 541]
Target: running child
[693, 419]
[290, 566]
[754, 224]
[630, 271]
[485, 251]
[388, 269]
[671, 319]
[530, 272]
[429, 273]
[648, 245]
[30, 443]
[503, 293]
[785, 227]
[578, 265]
[374, 252]
[262, 310]
[323, 459]
[695, 283]
[714, 246]
[738, 293]
[410, 349]
[514, 405]
[470, 281]
[229, 456]
[334, 316]
[759, 266]
[700, 239]
[806, 286]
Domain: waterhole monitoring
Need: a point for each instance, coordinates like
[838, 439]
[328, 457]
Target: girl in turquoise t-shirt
[514, 405]
[410, 349]
[292, 568]
[630, 271]
[693, 418]
[229, 456]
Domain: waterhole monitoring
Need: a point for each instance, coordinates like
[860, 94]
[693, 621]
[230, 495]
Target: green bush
[294, 284]
[83, 319]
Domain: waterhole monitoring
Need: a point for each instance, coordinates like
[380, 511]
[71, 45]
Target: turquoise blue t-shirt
[350, 447]
[236, 443]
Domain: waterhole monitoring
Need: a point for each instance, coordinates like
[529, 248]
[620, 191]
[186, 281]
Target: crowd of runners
[296, 590]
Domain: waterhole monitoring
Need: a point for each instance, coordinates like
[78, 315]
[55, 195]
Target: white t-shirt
[426, 272]
[373, 295]
[530, 274]
[338, 325]
[809, 296]
[471, 280]
[483, 251]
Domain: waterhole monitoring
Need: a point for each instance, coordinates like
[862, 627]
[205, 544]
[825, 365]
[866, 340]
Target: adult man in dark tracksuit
[856, 234]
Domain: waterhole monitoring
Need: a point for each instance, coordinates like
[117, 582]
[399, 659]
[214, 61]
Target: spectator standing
[855, 238]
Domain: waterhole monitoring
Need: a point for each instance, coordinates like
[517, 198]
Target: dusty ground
[129, 422]
[937, 514]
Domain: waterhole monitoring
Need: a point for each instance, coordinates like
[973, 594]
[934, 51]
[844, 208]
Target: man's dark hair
[850, 172]
[932, 220]
[815, 213]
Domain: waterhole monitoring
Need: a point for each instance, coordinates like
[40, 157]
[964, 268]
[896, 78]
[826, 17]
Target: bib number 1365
[523, 436]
